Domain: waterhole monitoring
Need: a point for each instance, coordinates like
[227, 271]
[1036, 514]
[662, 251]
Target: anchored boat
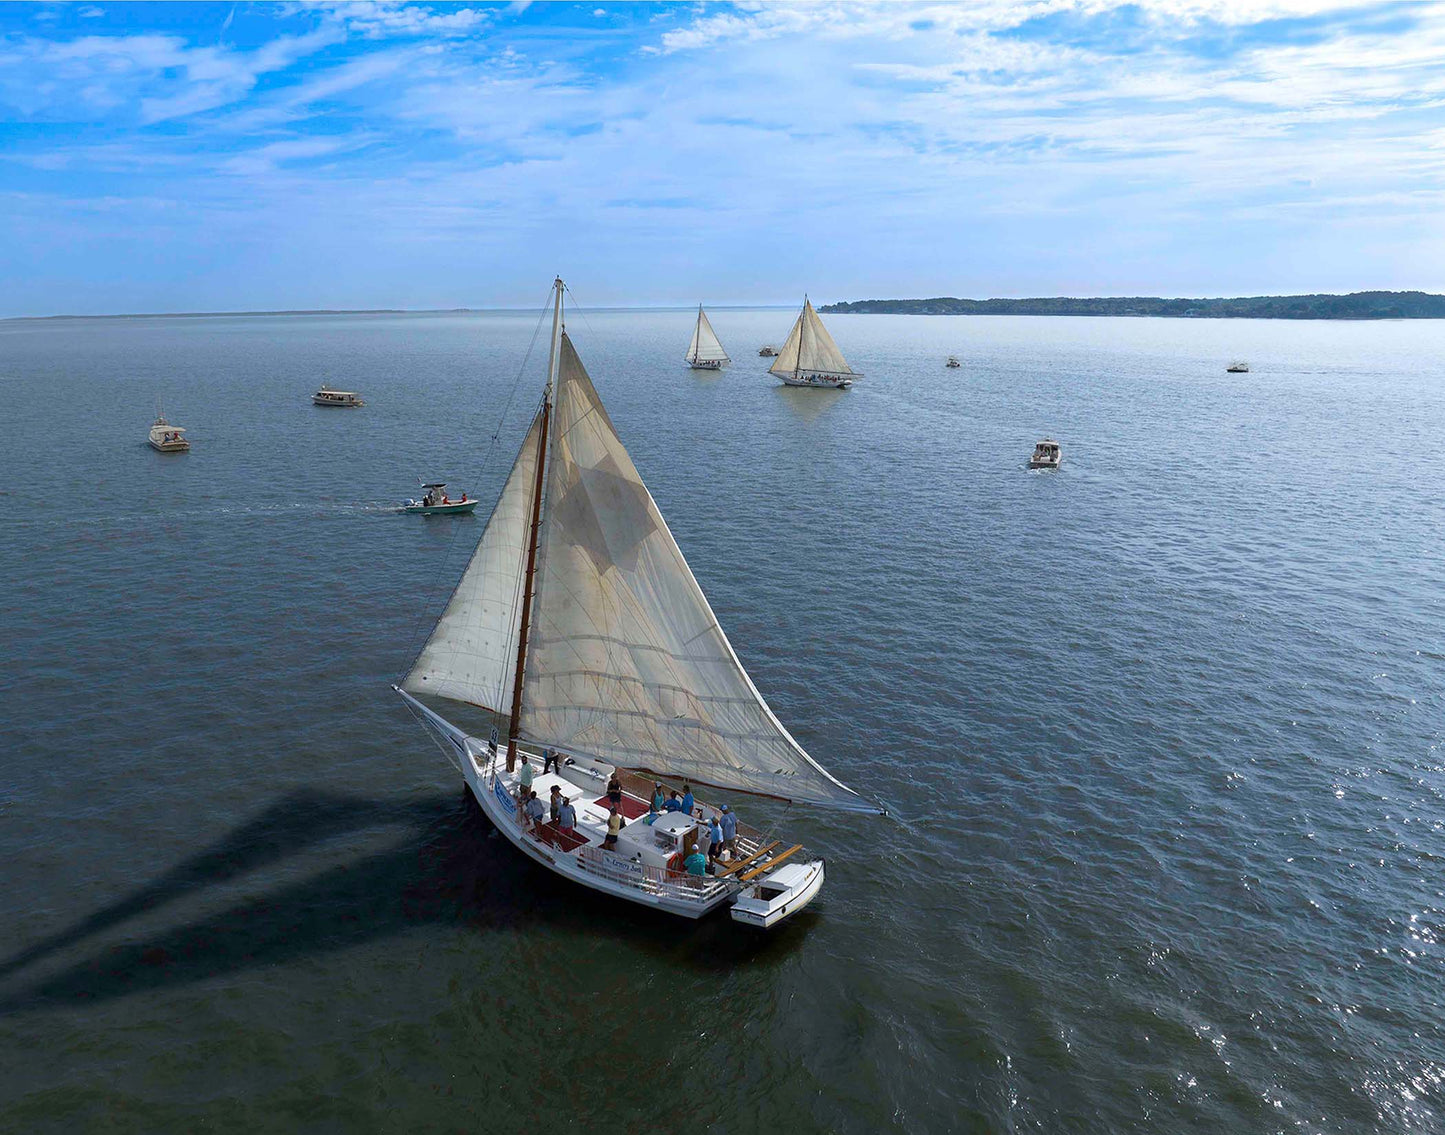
[580, 628]
[810, 357]
[167, 438]
[1239, 366]
[328, 397]
[705, 352]
[952, 362]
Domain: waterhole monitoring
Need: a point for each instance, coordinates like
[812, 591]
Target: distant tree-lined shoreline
[1356, 305]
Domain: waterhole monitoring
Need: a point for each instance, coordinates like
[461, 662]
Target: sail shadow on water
[444, 867]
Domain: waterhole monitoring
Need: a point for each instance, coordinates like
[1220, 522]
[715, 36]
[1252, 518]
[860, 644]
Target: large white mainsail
[705, 346]
[627, 661]
[810, 349]
[471, 656]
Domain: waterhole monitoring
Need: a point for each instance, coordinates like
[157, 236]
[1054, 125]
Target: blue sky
[222, 157]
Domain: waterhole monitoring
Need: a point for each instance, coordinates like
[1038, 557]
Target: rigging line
[427, 598]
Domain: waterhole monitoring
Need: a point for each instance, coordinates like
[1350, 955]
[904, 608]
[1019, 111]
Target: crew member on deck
[615, 824]
[556, 802]
[687, 801]
[729, 824]
[696, 861]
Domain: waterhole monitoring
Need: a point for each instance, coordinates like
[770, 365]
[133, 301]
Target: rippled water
[1163, 732]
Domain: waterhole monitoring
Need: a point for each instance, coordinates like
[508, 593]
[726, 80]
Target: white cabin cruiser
[952, 362]
[328, 397]
[1047, 455]
[1239, 366]
[810, 357]
[166, 438]
[767, 351]
[574, 544]
[705, 352]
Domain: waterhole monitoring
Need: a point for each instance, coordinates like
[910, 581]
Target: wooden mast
[514, 725]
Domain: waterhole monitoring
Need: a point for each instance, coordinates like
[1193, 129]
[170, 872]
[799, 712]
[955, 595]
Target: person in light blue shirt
[673, 803]
[687, 801]
[729, 829]
[715, 842]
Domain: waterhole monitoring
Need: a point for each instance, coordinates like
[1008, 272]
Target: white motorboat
[436, 502]
[576, 544]
[1047, 455]
[167, 438]
[767, 352]
[328, 397]
[810, 357]
[1238, 367]
[705, 352]
[952, 362]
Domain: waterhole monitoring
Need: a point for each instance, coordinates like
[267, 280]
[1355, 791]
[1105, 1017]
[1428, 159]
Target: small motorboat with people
[705, 352]
[1239, 366]
[166, 438]
[1047, 455]
[810, 357]
[328, 397]
[767, 351]
[436, 502]
[952, 362]
[581, 632]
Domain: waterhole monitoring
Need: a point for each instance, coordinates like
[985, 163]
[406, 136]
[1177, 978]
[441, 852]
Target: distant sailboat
[810, 357]
[579, 627]
[705, 352]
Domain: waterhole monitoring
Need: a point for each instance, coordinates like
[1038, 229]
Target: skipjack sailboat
[705, 352]
[810, 357]
[579, 616]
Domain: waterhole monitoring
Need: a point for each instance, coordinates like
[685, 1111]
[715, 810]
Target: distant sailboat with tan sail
[579, 628]
[810, 357]
[705, 352]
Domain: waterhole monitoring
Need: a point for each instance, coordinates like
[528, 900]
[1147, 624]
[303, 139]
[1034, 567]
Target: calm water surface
[1163, 732]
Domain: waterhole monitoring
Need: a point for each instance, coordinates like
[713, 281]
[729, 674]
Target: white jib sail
[705, 346]
[472, 654]
[810, 349]
[626, 660]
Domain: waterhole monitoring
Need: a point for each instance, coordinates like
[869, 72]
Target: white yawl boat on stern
[810, 357]
[579, 625]
[705, 352]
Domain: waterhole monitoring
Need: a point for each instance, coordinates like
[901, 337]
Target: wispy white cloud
[988, 147]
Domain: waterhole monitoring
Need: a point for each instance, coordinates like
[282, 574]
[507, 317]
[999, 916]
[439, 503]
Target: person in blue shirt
[715, 842]
[696, 861]
[687, 801]
[673, 803]
[729, 829]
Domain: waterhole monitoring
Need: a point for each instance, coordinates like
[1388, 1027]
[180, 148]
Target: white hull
[818, 382]
[704, 364]
[757, 906]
